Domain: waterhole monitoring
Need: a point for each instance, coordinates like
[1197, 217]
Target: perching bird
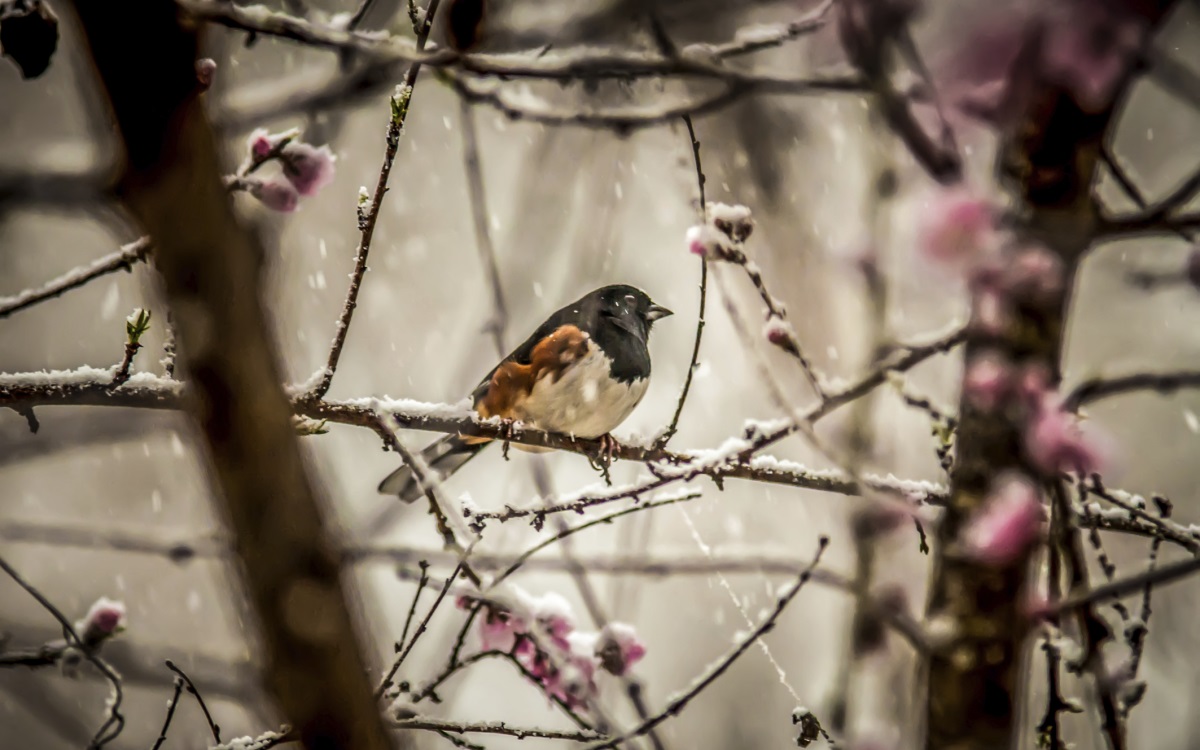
[581, 373]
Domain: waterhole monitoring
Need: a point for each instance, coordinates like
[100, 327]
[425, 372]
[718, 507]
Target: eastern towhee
[581, 373]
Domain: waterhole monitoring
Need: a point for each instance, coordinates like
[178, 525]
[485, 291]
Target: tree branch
[145, 58]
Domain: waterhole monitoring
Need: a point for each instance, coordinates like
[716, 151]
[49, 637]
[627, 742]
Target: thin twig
[386, 682]
[480, 222]
[412, 608]
[1163, 383]
[171, 705]
[695, 360]
[124, 259]
[213, 726]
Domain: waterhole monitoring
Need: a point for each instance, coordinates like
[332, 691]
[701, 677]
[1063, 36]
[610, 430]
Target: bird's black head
[627, 307]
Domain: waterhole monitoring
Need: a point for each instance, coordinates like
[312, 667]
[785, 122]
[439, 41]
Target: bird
[581, 373]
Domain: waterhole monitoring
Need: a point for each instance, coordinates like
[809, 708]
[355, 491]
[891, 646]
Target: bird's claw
[508, 432]
[605, 455]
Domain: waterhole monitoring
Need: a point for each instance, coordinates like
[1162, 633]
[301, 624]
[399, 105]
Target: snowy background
[571, 210]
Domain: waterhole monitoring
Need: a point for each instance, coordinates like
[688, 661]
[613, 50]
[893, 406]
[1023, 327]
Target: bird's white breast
[584, 401]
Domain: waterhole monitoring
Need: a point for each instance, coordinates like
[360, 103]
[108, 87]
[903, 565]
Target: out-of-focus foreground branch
[211, 267]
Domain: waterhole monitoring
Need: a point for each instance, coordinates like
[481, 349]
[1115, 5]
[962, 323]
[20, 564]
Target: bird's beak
[657, 311]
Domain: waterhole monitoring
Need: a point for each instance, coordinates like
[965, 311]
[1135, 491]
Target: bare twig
[213, 726]
[387, 679]
[171, 705]
[124, 259]
[480, 223]
[673, 426]
[1163, 383]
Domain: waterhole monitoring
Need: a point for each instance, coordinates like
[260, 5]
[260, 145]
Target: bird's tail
[443, 457]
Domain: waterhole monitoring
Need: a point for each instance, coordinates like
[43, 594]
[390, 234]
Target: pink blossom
[973, 76]
[988, 381]
[276, 194]
[307, 167]
[1089, 46]
[1055, 441]
[499, 630]
[260, 143]
[1009, 521]
[104, 619]
[618, 648]
[705, 241]
[957, 229]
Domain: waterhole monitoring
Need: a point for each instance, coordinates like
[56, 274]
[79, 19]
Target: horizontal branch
[1146, 224]
[90, 387]
[495, 727]
[1164, 383]
[636, 117]
[573, 65]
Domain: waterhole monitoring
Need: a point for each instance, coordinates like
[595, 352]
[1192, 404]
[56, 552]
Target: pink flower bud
[1007, 524]
[780, 333]
[206, 71]
[957, 229]
[307, 167]
[499, 629]
[103, 620]
[618, 648]
[988, 381]
[704, 241]
[260, 143]
[276, 194]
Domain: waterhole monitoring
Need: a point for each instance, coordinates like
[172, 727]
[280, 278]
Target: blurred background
[570, 209]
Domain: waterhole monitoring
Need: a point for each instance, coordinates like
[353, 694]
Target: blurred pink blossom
[1009, 521]
[957, 229]
[705, 241]
[104, 619]
[1088, 46]
[618, 648]
[275, 193]
[1055, 441]
[988, 381]
[307, 167]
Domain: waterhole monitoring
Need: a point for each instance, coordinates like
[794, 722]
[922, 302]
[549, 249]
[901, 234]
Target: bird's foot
[508, 432]
[605, 454]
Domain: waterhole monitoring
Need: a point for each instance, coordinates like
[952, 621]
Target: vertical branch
[144, 54]
[479, 219]
[1050, 158]
[673, 427]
